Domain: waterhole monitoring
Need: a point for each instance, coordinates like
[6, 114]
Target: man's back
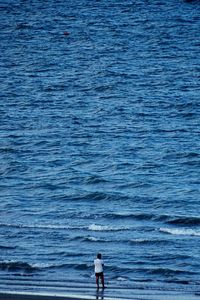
[98, 264]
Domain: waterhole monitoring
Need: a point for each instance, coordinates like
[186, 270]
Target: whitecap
[92, 239]
[121, 279]
[95, 227]
[41, 265]
[176, 231]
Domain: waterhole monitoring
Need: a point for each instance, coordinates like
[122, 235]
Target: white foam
[42, 265]
[177, 231]
[121, 279]
[37, 226]
[95, 227]
[92, 239]
[143, 241]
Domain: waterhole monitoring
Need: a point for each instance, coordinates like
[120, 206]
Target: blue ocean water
[99, 143]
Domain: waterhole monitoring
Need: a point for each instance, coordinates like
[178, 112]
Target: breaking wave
[92, 227]
[148, 241]
[36, 226]
[178, 231]
[25, 267]
[17, 266]
[95, 227]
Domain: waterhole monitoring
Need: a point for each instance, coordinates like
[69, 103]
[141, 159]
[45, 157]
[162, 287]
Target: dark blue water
[99, 142]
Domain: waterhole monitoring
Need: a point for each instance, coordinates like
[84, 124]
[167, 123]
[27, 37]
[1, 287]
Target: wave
[129, 215]
[100, 196]
[177, 231]
[92, 227]
[37, 226]
[25, 267]
[93, 239]
[6, 150]
[168, 219]
[88, 239]
[17, 266]
[23, 26]
[167, 271]
[120, 278]
[174, 220]
[148, 241]
[75, 266]
[95, 227]
[7, 247]
[182, 155]
[185, 221]
[94, 180]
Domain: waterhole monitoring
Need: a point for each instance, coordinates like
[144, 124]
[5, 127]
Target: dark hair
[99, 255]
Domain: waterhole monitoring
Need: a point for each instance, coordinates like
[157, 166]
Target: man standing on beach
[98, 268]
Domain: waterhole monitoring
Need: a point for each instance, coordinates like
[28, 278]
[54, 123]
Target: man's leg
[102, 280]
[97, 280]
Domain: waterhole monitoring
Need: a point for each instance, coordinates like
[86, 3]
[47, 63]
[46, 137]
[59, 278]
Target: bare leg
[97, 281]
[102, 281]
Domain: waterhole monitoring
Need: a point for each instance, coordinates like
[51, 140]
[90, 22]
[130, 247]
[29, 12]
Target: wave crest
[17, 266]
[185, 221]
[177, 231]
[95, 227]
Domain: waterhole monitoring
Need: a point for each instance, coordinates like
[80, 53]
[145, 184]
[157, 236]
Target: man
[98, 269]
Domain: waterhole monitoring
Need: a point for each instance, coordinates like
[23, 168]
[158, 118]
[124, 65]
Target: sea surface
[100, 143]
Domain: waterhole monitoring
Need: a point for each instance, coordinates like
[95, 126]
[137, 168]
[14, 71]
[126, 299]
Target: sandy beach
[109, 294]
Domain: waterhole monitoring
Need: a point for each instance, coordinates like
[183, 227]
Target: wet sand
[100, 295]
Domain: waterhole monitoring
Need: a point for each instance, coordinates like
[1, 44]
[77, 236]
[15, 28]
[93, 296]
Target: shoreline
[107, 294]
